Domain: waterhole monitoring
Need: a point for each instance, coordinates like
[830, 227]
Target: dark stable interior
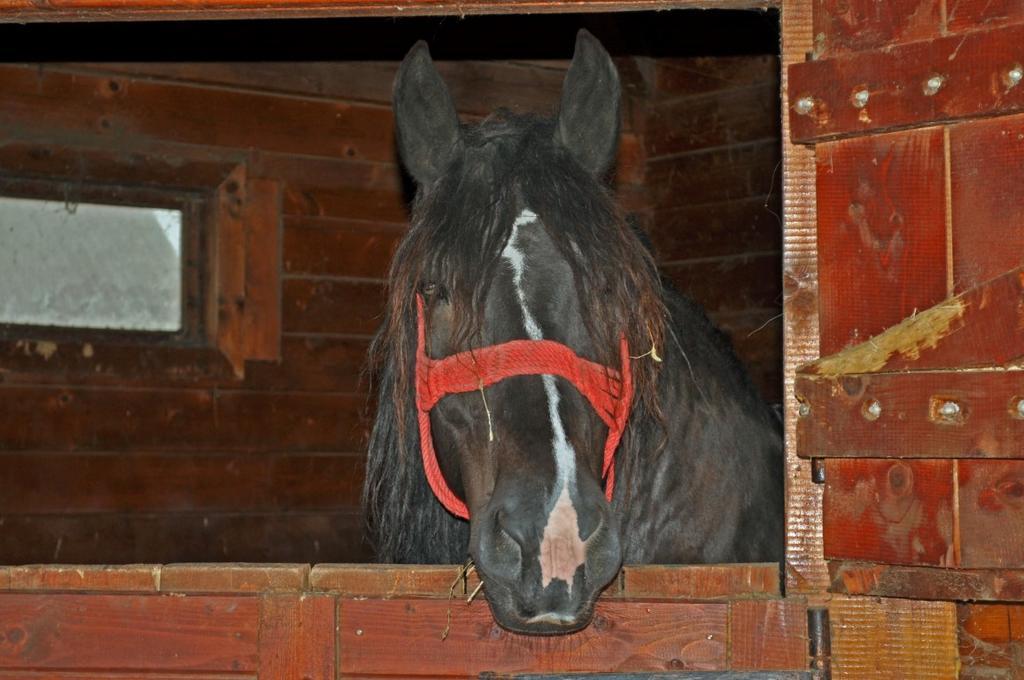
[139, 451]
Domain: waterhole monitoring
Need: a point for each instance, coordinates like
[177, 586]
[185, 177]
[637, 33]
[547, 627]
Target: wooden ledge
[927, 583]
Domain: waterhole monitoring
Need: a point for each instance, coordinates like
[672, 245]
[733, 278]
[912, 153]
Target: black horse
[519, 270]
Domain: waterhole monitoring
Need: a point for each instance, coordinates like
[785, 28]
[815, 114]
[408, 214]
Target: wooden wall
[113, 453]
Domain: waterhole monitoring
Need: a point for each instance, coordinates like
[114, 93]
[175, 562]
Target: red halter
[610, 392]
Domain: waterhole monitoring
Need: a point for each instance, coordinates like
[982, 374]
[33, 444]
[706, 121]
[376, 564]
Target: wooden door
[915, 413]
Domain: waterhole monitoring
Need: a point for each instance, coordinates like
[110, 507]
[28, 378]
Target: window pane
[89, 266]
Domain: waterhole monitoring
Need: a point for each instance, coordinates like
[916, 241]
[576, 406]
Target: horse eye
[432, 291]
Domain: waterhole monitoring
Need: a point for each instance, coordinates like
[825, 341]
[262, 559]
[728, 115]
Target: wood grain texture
[882, 232]
[991, 505]
[966, 15]
[261, 320]
[128, 632]
[971, 71]
[732, 283]
[897, 512]
[233, 578]
[84, 577]
[986, 171]
[334, 306]
[297, 633]
[926, 583]
[715, 229]
[338, 247]
[893, 639]
[768, 634]
[391, 581]
[705, 582]
[715, 175]
[991, 641]
[862, 24]
[910, 424]
[805, 568]
[624, 636]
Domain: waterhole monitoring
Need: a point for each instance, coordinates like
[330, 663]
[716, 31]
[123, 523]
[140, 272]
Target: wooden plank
[881, 232]
[308, 363]
[685, 76]
[986, 421]
[717, 119]
[84, 577]
[225, 307]
[727, 174]
[805, 567]
[297, 637]
[338, 306]
[768, 635]
[100, 10]
[120, 109]
[390, 581]
[986, 172]
[897, 512]
[981, 328]
[965, 15]
[729, 284]
[991, 504]
[893, 639]
[926, 583]
[202, 537]
[336, 247]
[913, 84]
[86, 419]
[261, 318]
[717, 229]
[233, 578]
[625, 636]
[128, 632]
[849, 25]
[700, 582]
[991, 640]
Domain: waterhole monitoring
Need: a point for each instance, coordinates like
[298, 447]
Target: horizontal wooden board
[893, 639]
[308, 363]
[717, 229]
[84, 577]
[986, 165]
[881, 232]
[128, 632]
[897, 512]
[919, 83]
[686, 76]
[991, 501]
[700, 582]
[119, 110]
[391, 581]
[966, 15]
[337, 306]
[305, 537]
[720, 119]
[768, 634]
[57, 483]
[330, 247]
[233, 578]
[80, 419]
[625, 636]
[926, 583]
[732, 173]
[842, 26]
[730, 284]
[991, 640]
[987, 423]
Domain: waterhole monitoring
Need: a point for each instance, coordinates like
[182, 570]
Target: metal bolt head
[860, 98]
[359, 632]
[872, 410]
[933, 84]
[949, 409]
[804, 409]
[804, 105]
[1014, 75]
[1020, 408]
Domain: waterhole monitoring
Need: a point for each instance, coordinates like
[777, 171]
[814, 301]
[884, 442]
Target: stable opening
[154, 461]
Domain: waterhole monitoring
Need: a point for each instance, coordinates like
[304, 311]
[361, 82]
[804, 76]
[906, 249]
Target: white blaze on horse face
[561, 549]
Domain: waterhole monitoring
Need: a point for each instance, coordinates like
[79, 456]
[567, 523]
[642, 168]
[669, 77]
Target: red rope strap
[610, 392]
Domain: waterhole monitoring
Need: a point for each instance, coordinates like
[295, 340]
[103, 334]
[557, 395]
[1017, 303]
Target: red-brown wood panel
[940, 414]
[844, 25]
[768, 635]
[46, 632]
[991, 641]
[881, 232]
[986, 174]
[991, 513]
[966, 15]
[337, 247]
[297, 635]
[403, 638]
[926, 583]
[898, 512]
[332, 305]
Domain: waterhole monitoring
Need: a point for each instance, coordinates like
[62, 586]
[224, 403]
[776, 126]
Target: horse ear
[588, 120]
[427, 127]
